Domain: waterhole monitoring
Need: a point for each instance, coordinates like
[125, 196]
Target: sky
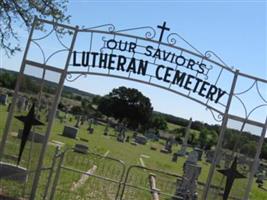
[235, 30]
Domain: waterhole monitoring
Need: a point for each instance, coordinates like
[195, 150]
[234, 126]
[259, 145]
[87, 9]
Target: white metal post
[15, 95]
[51, 118]
[220, 140]
[255, 163]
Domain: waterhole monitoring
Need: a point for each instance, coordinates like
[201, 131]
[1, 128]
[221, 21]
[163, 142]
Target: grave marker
[182, 152]
[188, 187]
[70, 132]
[140, 139]
[81, 148]
[4, 99]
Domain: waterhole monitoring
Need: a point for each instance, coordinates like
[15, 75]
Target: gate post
[54, 186]
[51, 118]
[51, 172]
[221, 137]
[15, 95]
[255, 163]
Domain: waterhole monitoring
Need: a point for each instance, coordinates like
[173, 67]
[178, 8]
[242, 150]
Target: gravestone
[168, 146]
[134, 134]
[140, 139]
[192, 157]
[78, 122]
[260, 180]
[33, 136]
[121, 136]
[106, 129]
[21, 103]
[210, 155]
[227, 158]
[70, 132]
[200, 153]
[175, 157]
[153, 148]
[151, 134]
[187, 189]
[4, 99]
[90, 128]
[13, 172]
[81, 148]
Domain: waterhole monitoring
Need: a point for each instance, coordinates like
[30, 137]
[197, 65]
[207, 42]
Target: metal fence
[76, 176]
[87, 176]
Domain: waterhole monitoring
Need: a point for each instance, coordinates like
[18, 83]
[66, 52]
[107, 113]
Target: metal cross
[28, 121]
[231, 174]
[163, 28]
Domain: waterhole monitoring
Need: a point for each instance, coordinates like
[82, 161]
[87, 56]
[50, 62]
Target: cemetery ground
[92, 187]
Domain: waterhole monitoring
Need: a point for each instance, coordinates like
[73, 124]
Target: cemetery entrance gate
[164, 60]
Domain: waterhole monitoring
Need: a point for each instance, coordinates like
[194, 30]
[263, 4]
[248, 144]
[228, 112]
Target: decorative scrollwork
[110, 28]
[70, 77]
[171, 39]
[206, 77]
[259, 106]
[242, 103]
[149, 34]
[209, 54]
[53, 54]
[45, 36]
[259, 92]
[41, 49]
[217, 117]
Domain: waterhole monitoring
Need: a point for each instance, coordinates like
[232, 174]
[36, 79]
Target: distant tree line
[134, 109]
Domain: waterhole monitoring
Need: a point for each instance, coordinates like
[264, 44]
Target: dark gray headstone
[140, 139]
[81, 148]
[106, 129]
[153, 148]
[70, 132]
[175, 157]
[13, 172]
[200, 153]
[3, 99]
[90, 130]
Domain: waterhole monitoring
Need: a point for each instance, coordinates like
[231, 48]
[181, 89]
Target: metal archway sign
[136, 54]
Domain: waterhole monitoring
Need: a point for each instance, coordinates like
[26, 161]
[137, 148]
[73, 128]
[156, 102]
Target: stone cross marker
[188, 187]
[121, 136]
[182, 152]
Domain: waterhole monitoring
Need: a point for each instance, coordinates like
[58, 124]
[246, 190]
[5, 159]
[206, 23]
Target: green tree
[128, 105]
[17, 14]
[203, 137]
[158, 122]
[76, 110]
[249, 148]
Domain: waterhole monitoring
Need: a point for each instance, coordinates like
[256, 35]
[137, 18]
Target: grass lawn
[95, 188]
